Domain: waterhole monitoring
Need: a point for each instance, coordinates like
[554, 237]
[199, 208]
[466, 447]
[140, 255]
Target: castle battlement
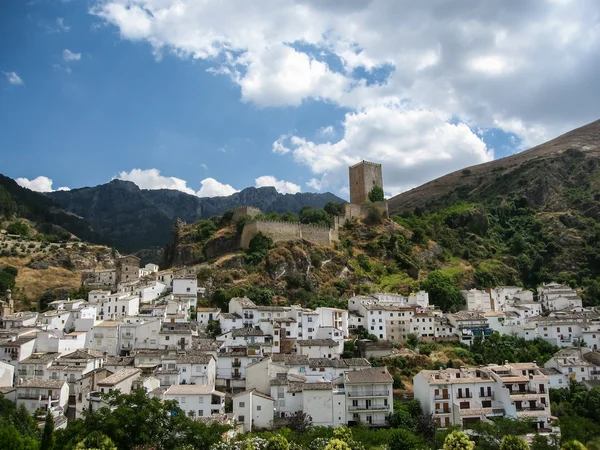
[245, 211]
[280, 222]
[363, 162]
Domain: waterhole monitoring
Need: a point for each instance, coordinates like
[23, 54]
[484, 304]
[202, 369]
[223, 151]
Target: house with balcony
[319, 348]
[42, 394]
[469, 324]
[80, 390]
[205, 315]
[17, 348]
[555, 296]
[36, 366]
[75, 365]
[466, 396]
[477, 300]
[18, 320]
[369, 397]
[175, 336]
[104, 337]
[579, 364]
[138, 333]
[197, 400]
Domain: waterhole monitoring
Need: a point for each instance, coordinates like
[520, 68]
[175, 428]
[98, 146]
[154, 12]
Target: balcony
[442, 397]
[369, 408]
[98, 335]
[489, 395]
[532, 408]
[443, 411]
[236, 375]
[127, 335]
[236, 364]
[465, 395]
[525, 392]
[33, 396]
[39, 373]
[369, 394]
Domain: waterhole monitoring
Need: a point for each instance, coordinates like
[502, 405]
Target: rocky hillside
[135, 219]
[543, 175]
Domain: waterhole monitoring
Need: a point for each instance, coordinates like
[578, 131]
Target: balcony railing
[369, 394]
[525, 392]
[442, 411]
[98, 335]
[236, 364]
[487, 395]
[465, 395]
[39, 372]
[127, 335]
[532, 408]
[37, 397]
[369, 408]
[236, 375]
[442, 397]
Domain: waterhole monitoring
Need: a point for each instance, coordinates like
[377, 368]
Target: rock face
[538, 174]
[135, 219]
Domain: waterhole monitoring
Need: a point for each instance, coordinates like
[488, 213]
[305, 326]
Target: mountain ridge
[585, 139]
[136, 219]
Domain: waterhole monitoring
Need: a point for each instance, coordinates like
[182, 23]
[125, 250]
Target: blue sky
[272, 95]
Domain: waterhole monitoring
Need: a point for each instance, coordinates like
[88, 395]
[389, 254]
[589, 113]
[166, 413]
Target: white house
[36, 366]
[369, 397]
[56, 341]
[199, 400]
[17, 348]
[579, 364]
[105, 337]
[253, 409]
[121, 380]
[7, 374]
[205, 315]
[477, 300]
[185, 286]
[319, 348]
[42, 394]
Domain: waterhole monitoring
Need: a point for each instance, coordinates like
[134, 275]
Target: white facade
[42, 394]
[578, 364]
[253, 410]
[185, 286]
[197, 400]
[477, 300]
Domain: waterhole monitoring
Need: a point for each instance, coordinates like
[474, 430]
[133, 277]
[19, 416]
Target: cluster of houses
[143, 328]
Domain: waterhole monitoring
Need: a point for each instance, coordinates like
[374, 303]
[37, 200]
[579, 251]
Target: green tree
[458, 440]
[213, 328]
[96, 441]
[443, 292]
[374, 215]
[8, 275]
[48, 438]
[277, 442]
[289, 217]
[540, 442]
[376, 194]
[592, 404]
[573, 445]
[18, 227]
[337, 444]
[403, 439]
[332, 208]
[258, 248]
[511, 442]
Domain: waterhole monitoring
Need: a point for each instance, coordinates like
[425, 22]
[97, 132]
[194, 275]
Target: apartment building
[467, 395]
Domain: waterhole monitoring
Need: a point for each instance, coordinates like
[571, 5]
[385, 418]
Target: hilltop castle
[363, 177]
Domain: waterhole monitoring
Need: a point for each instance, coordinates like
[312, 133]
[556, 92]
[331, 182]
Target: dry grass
[32, 283]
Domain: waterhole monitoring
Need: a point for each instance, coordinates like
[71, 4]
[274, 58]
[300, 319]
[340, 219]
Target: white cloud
[479, 64]
[326, 131]
[152, 179]
[60, 23]
[69, 56]
[283, 187]
[39, 184]
[414, 146]
[204, 166]
[213, 188]
[13, 78]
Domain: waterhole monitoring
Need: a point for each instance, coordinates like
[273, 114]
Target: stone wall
[351, 211]
[245, 211]
[286, 231]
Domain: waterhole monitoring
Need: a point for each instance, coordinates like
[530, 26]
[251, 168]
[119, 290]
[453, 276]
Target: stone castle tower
[364, 176]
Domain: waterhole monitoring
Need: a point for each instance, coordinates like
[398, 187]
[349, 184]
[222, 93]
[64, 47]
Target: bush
[376, 194]
[19, 228]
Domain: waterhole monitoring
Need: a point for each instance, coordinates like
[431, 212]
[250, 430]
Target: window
[242, 404]
[183, 399]
[200, 399]
[167, 338]
[258, 407]
[240, 418]
[200, 413]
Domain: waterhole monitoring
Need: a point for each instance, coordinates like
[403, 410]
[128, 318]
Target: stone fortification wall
[245, 211]
[352, 211]
[286, 231]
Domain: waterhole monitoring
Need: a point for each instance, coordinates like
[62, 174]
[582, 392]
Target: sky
[212, 96]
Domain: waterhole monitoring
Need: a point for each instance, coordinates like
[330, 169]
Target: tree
[490, 434]
[592, 404]
[374, 215]
[96, 441]
[412, 340]
[511, 442]
[337, 444]
[376, 194]
[277, 442]
[540, 442]
[213, 328]
[573, 445]
[8, 275]
[18, 227]
[258, 248]
[442, 291]
[403, 439]
[426, 426]
[401, 418]
[48, 434]
[332, 208]
[457, 440]
[300, 422]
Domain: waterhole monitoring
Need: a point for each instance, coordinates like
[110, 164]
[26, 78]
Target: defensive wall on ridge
[287, 231]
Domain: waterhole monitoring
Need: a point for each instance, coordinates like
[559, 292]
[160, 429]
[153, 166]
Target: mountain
[543, 175]
[44, 213]
[135, 219]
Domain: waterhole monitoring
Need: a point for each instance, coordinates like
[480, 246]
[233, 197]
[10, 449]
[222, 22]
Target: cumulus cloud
[414, 146]
[69, 56]
[479, 62]
[152, 179]
[283, 187]
[326, 131]
[13, 78]
[39, 184]
[213, 188]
